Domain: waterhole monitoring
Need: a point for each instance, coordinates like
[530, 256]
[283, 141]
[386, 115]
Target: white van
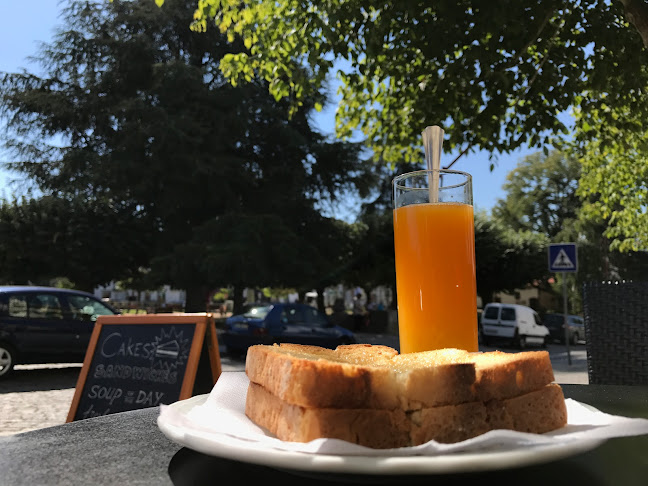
[517, 324]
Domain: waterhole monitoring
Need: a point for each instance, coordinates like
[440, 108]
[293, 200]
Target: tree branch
[637, 14]
[458, 157]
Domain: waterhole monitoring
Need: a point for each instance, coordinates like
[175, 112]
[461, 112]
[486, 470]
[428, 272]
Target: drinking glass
[434, 244]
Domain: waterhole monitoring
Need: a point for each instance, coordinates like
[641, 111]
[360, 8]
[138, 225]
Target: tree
[134, 114]
[614, 185]
[541, 195]
[372, 263]
[83, 240]
[333, 249]
[545, 194]
[506, 260]
[495, 76]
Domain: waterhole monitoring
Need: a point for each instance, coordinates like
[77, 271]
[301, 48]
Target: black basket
[616, 332]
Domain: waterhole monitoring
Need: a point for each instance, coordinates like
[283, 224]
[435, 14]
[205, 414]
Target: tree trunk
[238, 299]
[486, 297]
[85, 286]
[320, 299]
[196, 298]
[636, 12]
[394, 302]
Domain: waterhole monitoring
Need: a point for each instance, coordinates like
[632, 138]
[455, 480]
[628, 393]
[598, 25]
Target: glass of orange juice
[434, 244]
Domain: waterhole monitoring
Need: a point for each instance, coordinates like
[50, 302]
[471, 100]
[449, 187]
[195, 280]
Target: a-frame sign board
[140, 361]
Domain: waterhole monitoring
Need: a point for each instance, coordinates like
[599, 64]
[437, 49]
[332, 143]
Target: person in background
[371, 306]
[359, 313]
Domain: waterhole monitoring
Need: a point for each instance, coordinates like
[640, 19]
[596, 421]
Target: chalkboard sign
[141, 361]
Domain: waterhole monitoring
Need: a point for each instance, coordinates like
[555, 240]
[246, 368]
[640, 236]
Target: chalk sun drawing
[171, 349]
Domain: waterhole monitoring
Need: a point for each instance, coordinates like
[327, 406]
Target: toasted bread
[537, 412]
[366, 376]
[373, 396]
[357, 376]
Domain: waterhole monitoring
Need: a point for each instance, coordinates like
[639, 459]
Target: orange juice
[434, 246]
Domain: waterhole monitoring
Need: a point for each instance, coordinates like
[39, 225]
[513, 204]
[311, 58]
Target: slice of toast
[498, 375]
[357, 376]
[369, 376]
[537, 412]
[372, 427]
[505, 375]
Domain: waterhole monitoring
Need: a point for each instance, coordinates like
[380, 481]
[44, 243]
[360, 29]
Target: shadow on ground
[31, 378]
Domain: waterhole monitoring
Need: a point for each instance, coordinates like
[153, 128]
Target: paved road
[37, 396]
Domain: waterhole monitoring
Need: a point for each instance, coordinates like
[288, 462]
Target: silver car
[556, 325]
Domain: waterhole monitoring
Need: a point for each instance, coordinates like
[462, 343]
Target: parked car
[516, 324]
[46, 325]
[282, 323]
[556, 325]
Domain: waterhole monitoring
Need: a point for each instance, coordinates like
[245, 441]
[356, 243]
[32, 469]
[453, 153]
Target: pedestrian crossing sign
[562, 257]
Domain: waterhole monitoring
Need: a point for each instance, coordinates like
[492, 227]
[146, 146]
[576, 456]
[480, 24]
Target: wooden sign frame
[204, 340]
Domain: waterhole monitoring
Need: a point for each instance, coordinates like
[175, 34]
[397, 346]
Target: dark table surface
[128, 449]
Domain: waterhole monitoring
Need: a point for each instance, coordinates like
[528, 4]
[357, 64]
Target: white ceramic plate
[229, 447]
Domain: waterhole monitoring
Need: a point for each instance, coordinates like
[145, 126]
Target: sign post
[563, 257]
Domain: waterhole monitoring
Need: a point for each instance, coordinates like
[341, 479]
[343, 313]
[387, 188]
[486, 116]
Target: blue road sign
[563, 257]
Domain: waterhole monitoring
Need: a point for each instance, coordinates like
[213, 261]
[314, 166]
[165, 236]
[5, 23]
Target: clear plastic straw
[433, 145]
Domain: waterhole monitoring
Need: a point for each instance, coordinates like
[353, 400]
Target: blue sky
[23, 25]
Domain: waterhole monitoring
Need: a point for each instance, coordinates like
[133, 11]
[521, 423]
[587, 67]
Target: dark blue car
[46, 325]
[282, 323]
